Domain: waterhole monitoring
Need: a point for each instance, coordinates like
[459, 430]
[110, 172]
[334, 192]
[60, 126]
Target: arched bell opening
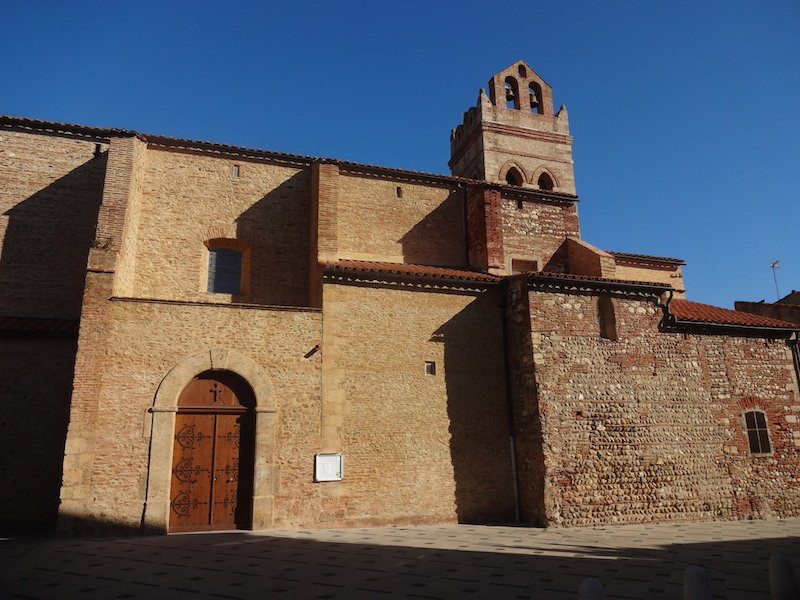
[514, 177]
[213, 454]
[512, 92]
[545, 182]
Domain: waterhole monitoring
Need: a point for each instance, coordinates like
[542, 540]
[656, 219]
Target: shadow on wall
[527, 415]
[474, 374]
[278, 229]
[46, 244]
[42, 274]
[35, 387]
[82, 525]
[439, 238]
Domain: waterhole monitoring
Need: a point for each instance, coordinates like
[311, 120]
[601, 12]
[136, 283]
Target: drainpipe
[509, 403]
[794, 344]
[667, 319]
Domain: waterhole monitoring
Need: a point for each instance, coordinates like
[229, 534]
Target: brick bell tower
[512, 136]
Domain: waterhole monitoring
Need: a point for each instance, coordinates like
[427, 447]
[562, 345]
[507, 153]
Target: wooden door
[212, 464]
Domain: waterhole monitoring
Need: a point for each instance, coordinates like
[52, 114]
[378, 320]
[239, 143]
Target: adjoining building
[784, 309]
[199, 336]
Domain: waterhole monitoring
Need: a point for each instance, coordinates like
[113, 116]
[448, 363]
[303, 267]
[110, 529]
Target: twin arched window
[515, 177]
[512, 93]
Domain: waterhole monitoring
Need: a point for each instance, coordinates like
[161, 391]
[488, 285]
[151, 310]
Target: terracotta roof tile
[647, 257]
[474, 275]
[414, 270]
[695, 312]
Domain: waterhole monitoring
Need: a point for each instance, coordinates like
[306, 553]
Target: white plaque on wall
[328, 467]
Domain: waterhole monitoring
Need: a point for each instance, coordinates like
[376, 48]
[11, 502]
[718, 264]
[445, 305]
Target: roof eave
[390, 275]
[610, 284]
[731, 327]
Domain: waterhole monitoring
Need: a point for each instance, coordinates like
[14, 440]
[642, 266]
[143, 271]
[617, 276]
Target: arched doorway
[213, 454]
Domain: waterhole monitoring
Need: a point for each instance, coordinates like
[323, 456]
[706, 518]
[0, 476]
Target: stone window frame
[747, 430]
[155, 519]
[231, 244]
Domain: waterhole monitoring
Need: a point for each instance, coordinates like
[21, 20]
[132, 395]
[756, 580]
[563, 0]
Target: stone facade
[467, 353]
[650, 426]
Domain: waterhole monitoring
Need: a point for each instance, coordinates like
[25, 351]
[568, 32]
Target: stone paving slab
[434, 563]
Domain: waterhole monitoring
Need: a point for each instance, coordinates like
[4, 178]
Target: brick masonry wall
[536, 231]
[187, 199]
[527, 417]
[585, 259]
[650, 428]
[531, 155]
[418, 448]
[425, 226]
[107, 452]
[633, 271]
[784, 312]
[50, 191]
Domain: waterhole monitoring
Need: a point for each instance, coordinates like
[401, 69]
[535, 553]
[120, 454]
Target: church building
[196, 336]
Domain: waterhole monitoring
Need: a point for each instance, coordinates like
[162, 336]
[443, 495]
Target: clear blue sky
[685, 114]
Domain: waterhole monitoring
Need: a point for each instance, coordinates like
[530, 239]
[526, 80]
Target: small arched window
[545, 182]
[535, 92]
[523, 72]
[513, 177]
[224, 270]
[757, 432]
[512, 93]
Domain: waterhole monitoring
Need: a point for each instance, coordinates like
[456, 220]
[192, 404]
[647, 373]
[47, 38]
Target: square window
[224, 271]
[430, 367]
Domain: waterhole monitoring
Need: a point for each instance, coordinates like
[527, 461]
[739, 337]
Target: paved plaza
[459, 561]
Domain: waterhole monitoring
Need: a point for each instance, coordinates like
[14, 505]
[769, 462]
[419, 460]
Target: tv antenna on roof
[774, 265]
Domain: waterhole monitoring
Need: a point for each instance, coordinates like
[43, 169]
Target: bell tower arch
[515, 123]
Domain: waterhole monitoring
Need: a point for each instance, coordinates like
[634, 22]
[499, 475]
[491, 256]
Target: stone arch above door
[181, 374]
[165, 406]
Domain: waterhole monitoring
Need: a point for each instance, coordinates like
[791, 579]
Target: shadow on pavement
[423, 562]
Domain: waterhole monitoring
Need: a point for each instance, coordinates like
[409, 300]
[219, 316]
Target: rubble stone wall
[536, 230]
[650, 427]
